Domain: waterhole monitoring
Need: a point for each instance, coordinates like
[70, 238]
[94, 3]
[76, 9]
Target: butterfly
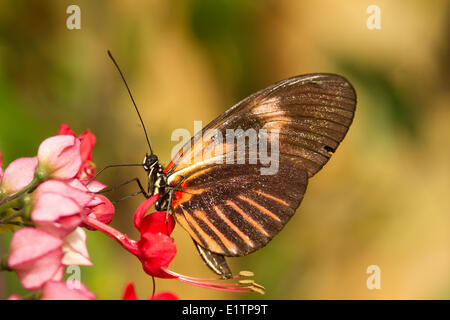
[216, 189]
[231, 209]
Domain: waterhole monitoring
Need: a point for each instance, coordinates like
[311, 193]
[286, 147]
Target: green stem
[36, 295]
[20, 224]
[4, 264]
[11, 204]
[16, 214]
[19, 193]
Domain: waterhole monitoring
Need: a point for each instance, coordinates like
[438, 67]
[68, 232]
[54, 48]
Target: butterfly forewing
[229, 207]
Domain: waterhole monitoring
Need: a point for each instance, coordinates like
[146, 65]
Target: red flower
[130, 294]
[156, 249]
[102, 210]
[87, 139]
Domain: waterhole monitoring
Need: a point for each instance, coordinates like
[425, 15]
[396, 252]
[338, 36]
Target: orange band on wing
[184, 196]
[228, 244]
[247, 217]
[243, 236]
[272, 197]
[210, 243]
[261, 208]
[182, 220]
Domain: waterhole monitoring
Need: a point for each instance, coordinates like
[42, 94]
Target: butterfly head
[150, 161]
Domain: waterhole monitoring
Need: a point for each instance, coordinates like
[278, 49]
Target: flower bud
[59, 158]
[36, 256]
[18, 175]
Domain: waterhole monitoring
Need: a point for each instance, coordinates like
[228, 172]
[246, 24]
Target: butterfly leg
[142, 190]
[169, 206]
[113, 166]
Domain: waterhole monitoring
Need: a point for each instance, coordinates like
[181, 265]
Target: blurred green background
[382, 200]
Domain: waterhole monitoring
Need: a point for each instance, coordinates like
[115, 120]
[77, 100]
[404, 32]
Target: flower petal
[157, 250]
[95, 186]
[142, 210]
[164, 296]
[156, 222]
[60, 155]
[28, 244]
[56, 214]
[75, 251]
[53, 290]
[53, 206]
[81, 196]
[104, 211]
[64, 129]
[33, 275]
[19, 174]
[129, 292]
[87, 144]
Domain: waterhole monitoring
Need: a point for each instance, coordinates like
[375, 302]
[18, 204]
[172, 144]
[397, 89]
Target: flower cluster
[48, 197]
[49, 200]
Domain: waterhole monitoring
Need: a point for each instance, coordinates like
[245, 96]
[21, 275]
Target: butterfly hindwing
[242, 210]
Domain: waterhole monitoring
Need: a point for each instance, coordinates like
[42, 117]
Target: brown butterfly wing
[242, 210]
[232, 209]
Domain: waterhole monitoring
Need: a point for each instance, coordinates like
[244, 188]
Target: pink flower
[54, 290]
[59, 157]
[99, 207]
[58, 207]
[15, 297]
[130, 294]
[75, 250]
[18, 175]
[72, 189]
[56, 214]
[36, 256]
[94, 186]
[87, 139]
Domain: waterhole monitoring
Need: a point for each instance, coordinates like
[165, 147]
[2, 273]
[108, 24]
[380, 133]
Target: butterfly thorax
[157, 181]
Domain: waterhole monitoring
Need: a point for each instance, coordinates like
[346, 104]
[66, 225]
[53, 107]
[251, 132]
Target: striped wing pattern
[241, 213]
[233, 210]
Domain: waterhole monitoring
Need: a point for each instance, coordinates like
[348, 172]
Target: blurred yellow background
[383, 199]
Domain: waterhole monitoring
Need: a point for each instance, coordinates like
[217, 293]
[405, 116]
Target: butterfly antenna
[132, 99]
